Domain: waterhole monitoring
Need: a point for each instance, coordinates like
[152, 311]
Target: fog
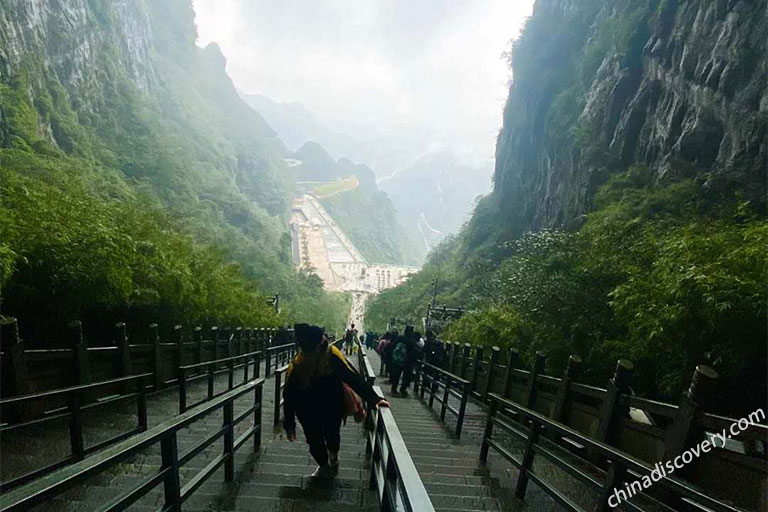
[429, 71]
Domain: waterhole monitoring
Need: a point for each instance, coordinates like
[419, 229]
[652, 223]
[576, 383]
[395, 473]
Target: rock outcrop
[599, 86]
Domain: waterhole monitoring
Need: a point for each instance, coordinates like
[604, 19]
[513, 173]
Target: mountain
[628, 211]
[136, 184]
[364, 212]
[434, 196]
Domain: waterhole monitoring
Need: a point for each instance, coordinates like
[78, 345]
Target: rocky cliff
[679, 86]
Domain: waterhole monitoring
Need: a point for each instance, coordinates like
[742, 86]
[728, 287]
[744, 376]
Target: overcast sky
[428, 69]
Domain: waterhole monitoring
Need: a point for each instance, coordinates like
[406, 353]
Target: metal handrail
[279, 386]
[621, 463]
[59, 481]
[393, 474]
[205, 364]
[446, 383]
[73, 410]
[286, 350]
[211, 371]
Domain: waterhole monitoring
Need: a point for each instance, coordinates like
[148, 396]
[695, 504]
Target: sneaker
[404, 393]
[323, 472]
[393, 392]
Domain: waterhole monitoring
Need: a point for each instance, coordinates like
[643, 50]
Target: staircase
[449, 467]
[274, 479]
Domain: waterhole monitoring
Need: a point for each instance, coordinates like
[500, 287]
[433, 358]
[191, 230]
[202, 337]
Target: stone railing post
[684, 429]
[561, 406]
[495, 352]
[13, 346]
[123, 349]
[82, 367]
[198, 338]
[215, 338]
[157, 357]
[609, 410]
[178, 340]
[464, 359]
[513, 361]
[538, 367]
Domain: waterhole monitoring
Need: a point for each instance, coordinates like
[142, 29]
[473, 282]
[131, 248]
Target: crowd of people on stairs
[322, 388]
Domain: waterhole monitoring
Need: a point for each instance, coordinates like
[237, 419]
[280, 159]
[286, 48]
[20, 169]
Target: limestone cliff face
[679, 86]
[71, 36]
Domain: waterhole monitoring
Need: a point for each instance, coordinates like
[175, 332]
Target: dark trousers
[396, 372]
[323, 435]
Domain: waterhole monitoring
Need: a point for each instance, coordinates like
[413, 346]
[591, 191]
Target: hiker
[388, 348]
[315, 393]
[402, 361]
[349, 339]
[434, 350]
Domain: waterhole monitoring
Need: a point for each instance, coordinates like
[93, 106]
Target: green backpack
[400, 354]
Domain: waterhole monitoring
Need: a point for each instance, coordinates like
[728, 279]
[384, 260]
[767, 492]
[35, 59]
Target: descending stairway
[450, 468]
[274, 479]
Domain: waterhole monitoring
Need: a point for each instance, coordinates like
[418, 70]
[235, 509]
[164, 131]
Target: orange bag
[352, 405]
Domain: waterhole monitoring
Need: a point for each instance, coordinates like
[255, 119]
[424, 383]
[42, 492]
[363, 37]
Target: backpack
[400, 354]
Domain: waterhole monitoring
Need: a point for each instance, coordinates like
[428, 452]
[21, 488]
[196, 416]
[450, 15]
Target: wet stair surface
[450, 468]
[273, 479]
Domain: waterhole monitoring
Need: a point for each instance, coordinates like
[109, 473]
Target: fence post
[563, 392]
[74, 400]
[464, 359]
[210, 380]
[123, 349]
[538, 366]
[229, 441]
[179, 341]
[13, 346]
[79, 353]
[257, 399]
[157, 358]
[495, 351]
[513, 361]
[215, 338]
[609, 412]
[278, 383]
[476, 364]
[141, 404]
[616, 474]
[488, 431]
[169, 453]
[182, 391]
[199, 343]
[462, 408]
[684, 429]
[268, 362]
[527, 460]
[446, 397]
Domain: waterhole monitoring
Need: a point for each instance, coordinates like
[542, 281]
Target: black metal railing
[523, 424]
[432, 378]
[27, 496]
[278, 356]
[209, 369]
[78, 399]
[364, 365]
[279, 386]
[393, 474]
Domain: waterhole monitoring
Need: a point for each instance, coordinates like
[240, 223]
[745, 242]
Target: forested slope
[628, 215]
[136, 185]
